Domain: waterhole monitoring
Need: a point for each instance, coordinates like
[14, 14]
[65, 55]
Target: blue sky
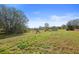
[54, 14]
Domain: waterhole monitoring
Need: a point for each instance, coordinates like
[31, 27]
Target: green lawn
[44, 43]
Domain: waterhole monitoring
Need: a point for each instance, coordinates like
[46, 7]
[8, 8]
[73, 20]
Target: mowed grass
[51, 42]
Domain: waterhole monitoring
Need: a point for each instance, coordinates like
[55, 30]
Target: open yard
[42, 43]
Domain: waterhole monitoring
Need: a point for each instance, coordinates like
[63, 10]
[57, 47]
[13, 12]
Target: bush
[70, 28]
[37, 30]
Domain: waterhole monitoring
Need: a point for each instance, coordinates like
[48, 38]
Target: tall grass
[45, 42]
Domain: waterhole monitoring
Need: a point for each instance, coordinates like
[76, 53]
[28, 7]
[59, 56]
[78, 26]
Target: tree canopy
[46, 26]
[73, 24]
[12, 20]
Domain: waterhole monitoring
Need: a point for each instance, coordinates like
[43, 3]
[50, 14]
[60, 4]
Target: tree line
[13, 20]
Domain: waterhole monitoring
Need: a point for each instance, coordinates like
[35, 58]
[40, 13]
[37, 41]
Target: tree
[73, 24]
[63, 26]
[12, 20]
[46, 27]
[76, 23]
[40, 28]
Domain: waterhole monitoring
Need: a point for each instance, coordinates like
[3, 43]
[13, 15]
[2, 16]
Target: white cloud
[53, 20]
[63, 19]
[36, 22]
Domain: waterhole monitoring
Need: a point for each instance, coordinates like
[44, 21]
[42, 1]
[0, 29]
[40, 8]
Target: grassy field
[54, 42]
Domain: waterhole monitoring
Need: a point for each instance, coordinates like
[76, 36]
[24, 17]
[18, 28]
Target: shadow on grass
[3, 35]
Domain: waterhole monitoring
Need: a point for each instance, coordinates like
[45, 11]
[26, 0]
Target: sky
[53, 14]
